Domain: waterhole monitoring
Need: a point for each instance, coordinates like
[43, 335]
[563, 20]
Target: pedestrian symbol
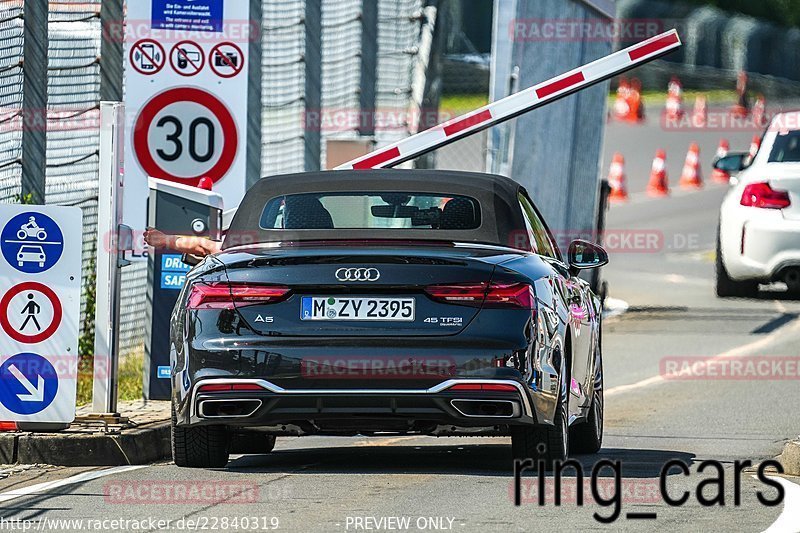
[30, 312]
[28, 383]
[32, 242]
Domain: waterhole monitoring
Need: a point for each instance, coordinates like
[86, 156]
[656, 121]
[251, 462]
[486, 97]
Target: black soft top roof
[501, 216]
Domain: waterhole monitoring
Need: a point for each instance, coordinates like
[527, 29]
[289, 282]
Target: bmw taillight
[227, 296]
[494, 295]
[763, 196]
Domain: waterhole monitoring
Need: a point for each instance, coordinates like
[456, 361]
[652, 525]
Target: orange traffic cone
[616, 179]
[658, 185]
[700, 112]
[621, 107]
[674, 105]
[717, 175]
[690, 177]
[759, 111]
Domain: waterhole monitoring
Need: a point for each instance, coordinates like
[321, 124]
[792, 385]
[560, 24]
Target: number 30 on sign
[185, 134]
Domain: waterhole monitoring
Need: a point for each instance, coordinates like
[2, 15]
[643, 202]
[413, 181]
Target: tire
[199, 447]
[587, 437]
[546, 444]
[727, 287]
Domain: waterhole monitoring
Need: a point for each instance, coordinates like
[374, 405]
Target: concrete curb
[790, 458]
[140, 445]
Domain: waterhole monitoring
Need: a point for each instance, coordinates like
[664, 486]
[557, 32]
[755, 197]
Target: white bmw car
[759, 225]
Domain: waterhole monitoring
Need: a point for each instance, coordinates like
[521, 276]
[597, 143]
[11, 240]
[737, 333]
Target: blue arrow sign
[32, 242]
[28, 383]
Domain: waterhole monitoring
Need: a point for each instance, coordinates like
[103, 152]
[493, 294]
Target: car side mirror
[584, 255]
[731, 162]
[191, 260]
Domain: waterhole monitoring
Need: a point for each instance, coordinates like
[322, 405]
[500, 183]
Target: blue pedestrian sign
[28, 383]
[32, 242]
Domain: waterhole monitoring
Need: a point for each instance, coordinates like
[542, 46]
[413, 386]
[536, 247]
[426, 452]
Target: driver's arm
[198, 246]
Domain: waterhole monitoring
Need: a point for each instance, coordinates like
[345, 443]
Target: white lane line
[79, 478]
[739, 351]
[789, 519]
[613, 307]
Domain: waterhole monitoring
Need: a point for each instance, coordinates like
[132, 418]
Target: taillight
[496, 387]
[763, 196]
[226, 296]
[518, 295]
[225, 387]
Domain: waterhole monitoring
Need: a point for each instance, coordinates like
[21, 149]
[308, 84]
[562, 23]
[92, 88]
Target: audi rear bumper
[436, 410]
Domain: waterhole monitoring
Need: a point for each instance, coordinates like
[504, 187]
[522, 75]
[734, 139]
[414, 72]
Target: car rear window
[368, 210]
[786, 148]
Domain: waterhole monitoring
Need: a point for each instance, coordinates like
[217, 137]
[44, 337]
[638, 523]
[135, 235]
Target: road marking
[789, 519]
[79, 478]
[614, 307]
[733, 353]
[385, 441]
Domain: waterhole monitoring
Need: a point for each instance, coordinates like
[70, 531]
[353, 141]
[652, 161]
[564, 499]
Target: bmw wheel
[727, 287]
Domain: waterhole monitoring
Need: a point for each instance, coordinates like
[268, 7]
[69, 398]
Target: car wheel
[546, 444]
[587, 437]
[727, 287]
[199, 447]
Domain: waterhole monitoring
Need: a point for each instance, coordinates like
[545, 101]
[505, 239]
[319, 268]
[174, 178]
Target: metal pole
[109, 215]
[313, 88]
[111, 46]
[254, 109]
[369, 66]
[34, 101]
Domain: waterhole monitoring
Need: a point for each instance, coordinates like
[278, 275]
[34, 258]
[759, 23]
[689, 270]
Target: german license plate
[335, 308]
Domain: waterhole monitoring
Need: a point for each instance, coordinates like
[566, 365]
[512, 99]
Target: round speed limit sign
[184, 135]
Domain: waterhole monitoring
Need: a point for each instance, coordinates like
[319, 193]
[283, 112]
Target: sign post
[113, 239]
[40, 269]
[187, 94]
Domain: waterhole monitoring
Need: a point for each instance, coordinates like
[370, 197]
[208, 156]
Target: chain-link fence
[75, 35]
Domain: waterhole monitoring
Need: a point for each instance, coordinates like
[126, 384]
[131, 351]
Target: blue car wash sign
[173, 272]
[188, 15]
[40, 277]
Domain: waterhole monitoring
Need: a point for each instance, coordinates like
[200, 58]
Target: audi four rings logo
[358, 274]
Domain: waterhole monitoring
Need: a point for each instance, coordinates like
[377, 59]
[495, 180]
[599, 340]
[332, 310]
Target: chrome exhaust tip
[227, 408]
[487, 408]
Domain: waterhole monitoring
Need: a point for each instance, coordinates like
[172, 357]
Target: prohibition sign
[221, 58]
[47, 332]
[187, 58]
[145, 59]
[182, 95]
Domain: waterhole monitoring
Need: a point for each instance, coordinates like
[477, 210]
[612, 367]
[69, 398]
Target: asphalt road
[465, 484]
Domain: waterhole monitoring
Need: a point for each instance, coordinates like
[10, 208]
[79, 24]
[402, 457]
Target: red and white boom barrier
[517, 104]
